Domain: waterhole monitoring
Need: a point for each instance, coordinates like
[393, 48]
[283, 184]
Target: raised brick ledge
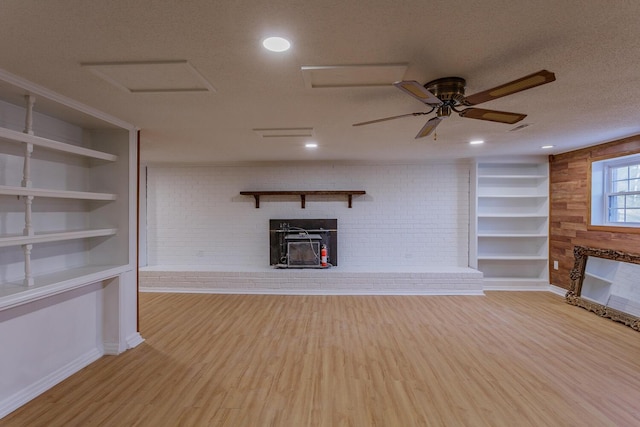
[456, 281]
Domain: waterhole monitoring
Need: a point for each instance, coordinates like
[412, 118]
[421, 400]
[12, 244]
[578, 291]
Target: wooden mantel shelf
[304, 194]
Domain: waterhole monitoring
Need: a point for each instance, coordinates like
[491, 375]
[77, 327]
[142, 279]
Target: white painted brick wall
[454, 281]
[413, 217]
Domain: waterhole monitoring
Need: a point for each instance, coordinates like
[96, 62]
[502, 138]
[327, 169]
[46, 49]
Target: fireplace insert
[303, 250]
[298, 243]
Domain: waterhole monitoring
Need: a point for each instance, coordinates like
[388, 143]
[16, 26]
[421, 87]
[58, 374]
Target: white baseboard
[115, 348]
[111, 348]
[34, 390]
[240, 291]
[557, 290]
[134, 340]
[512, 287]
[177, 290]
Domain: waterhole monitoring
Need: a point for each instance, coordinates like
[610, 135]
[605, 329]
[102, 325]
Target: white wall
[413, 216]
[47, 340]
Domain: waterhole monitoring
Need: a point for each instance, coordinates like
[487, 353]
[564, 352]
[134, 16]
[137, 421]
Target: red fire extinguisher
[323, 256]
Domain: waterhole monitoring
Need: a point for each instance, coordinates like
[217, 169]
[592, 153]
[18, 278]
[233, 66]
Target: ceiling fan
[447, 94]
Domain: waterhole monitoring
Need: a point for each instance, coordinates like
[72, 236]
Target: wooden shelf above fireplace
[303, 194]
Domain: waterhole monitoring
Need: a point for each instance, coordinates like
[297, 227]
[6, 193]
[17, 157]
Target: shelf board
[512, 196]
[61, 194]
[513, 176]
[18, 240]
[15, 136]
[511, 258]
[600, 278]
[303, 194]
[15, 293]
[501, 215]
[514, 235]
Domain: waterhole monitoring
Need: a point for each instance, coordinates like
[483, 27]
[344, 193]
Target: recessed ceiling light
[476, 142]
[311, 145]
[546, 147]
[276, 44]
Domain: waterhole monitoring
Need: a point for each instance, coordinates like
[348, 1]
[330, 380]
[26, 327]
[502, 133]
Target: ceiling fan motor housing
[450, 90]
[443, 111]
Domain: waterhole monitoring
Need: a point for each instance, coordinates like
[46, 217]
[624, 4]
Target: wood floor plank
[504, 359]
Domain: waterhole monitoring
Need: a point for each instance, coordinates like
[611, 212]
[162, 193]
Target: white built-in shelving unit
[66, 192]
[511, 228]
[68, 283]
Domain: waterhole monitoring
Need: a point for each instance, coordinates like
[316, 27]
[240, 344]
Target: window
[623, 197]
[615, 192]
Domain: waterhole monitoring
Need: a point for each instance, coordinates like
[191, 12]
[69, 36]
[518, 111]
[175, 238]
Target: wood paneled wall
[569, 205]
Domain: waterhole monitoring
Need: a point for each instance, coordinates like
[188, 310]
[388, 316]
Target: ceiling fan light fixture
[276, 44]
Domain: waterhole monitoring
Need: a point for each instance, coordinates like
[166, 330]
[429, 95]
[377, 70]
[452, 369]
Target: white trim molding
[34, 390]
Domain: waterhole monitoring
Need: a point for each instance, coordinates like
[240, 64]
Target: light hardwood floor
[505, 359]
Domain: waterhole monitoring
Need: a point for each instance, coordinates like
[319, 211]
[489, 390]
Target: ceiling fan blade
[429, 127]
[389, 118]
[492, 115]
[524, 83]
[418, 91]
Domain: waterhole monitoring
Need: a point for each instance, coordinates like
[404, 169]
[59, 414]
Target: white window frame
[602, 190]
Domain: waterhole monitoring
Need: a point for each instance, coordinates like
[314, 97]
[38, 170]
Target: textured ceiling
[593, 48]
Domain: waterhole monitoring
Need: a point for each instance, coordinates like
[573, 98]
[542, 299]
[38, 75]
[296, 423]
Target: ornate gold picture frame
[577, 276]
